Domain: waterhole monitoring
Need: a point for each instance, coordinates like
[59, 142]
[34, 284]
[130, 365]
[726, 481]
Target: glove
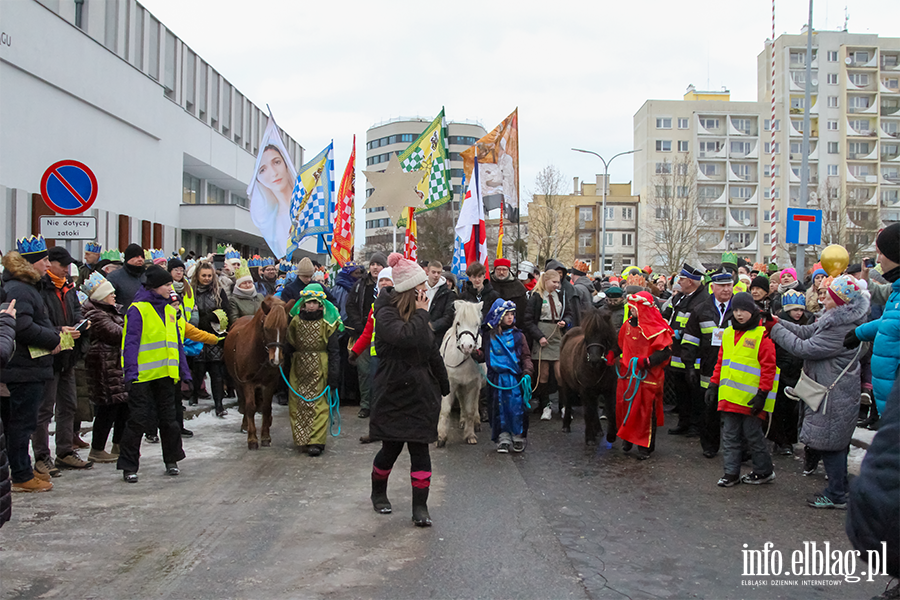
[352, 357]
[693, 378]
[850, 340]
[712, 394]
[643, 363]
[758, 402]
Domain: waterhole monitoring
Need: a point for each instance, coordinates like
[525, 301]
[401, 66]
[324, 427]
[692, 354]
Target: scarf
[782, 288]
[133, 270]
[59, 282]
[241, 292]
[649, 320]
[345, 279]
[893, 275]
[178, 286]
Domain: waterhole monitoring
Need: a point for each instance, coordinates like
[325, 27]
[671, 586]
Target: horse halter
[459, 335]
[587, 357]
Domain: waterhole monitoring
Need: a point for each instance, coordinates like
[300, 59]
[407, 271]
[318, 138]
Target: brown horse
[585, 371]
[254, 351]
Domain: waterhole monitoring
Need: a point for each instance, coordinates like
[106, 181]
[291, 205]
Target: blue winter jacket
[885, 358]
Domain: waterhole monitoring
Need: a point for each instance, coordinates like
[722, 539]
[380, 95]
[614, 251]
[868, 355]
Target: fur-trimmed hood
[16, 267]
[852, 312]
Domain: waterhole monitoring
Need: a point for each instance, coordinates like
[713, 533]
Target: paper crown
[791, 300]
[221, 248]
[255, 261]
[285, 267]
[242, 271]
[844, 287]
[729, 258]
[759, 267]
[147, 255]
[637, 279]
[93, 247]
[93, 282]
[112, 255]
[157, 254]
[267, 262]
[232, 254]
[279, 284]
[31, 245]
[581, 266]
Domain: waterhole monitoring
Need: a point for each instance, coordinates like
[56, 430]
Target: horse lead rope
[334, 403]
[524, 383]
[635, 375]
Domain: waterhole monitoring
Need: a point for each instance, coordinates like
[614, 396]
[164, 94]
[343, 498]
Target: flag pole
[518, 195]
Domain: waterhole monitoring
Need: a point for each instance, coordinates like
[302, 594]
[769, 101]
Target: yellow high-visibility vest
[740, 372]
[372, 343]
[158, 355]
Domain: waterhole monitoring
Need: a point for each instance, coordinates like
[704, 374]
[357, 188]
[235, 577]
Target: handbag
[813, 393]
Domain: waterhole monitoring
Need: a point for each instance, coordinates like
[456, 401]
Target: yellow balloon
[835, 259]
[181, 251]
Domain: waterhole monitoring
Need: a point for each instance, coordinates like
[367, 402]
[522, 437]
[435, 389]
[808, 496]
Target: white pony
[461, 339]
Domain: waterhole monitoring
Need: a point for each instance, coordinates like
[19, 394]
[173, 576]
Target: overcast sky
[577, 71]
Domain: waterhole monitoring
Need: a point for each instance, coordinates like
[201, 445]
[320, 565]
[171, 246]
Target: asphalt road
[559, 521]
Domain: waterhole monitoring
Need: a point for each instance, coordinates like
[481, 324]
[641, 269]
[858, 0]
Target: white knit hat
[386, 273]
[407, 274]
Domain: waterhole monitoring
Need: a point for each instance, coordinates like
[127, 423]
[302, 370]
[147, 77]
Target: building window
[585, 213]
[662, 213]
[214, 100]
[460, 140]
[663, 191]
[709, 169]
[798, 103]
[153, 63]
[683, 123]
[627, 213]
[378, 223]
[664, 122]
[226, 108]
[855, 103]
[626, 239]
[832, 125]
[709, 148]
[169, 76]
[742, 171]
[833, 148]
[742, 192]
[202, 82]
[740, 147]
[683, 146]
[892, 83]
[767, 169]
[859, 79]
[709, 123]
[610, 213]
[238, 117]
[584, 242]
[742, 125]
[832, 78]
[858, 149]
[663, 168]
[190, 84]
[663, 145]
[683, 190]
[832, 170]
[609, 240]
[191, 189]
[832, 56]
[215, 195]
[861, 56]
[111, 25]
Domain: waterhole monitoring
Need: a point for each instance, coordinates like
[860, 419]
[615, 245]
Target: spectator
[127, 280]
[24, 376]
[440, 301]
[7, 346]
[305, 272]
[812, 296]
[268, 278]
[581, 287]
[359, 303]
[244, 299]
[346, 278]
[209, 299]
[478, 289]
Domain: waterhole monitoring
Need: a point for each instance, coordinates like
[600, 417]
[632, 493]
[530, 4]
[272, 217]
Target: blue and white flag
[313, 202]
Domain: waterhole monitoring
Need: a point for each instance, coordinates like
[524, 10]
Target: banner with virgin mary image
[270, 190]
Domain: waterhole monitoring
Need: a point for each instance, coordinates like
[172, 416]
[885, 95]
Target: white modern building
[172, 143]
[395, 136]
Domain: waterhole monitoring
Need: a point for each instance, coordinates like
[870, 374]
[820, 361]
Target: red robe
[634, 421]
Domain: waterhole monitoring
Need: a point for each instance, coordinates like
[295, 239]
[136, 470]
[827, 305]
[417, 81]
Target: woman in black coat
[409, 383]
[7, 345]
[209, 297]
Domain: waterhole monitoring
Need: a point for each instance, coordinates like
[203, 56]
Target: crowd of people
[739, 352]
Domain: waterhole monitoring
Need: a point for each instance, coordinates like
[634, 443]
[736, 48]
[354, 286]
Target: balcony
[743, 126]
[890, 198]
[889, 110]
[861, 196]
[860, 82]
[735, 173]
[865, 59]
[888, 85]
[890, 61]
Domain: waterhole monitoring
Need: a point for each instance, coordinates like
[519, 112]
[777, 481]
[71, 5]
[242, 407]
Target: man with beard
[127, 280]
[693, 294]
[615, 306]
[702, 340]
[268, 277]
[509, 287]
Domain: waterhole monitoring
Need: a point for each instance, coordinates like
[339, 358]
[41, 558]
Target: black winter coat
[127, 283]
[7, 338]
[33, 326]
[5, 481]
[441, 312]
[487, 296]
[205, 304]
[411, 377]
[697, 338]
[678, 313]
[512, 289]
[359, 303]
[533, 315]
[64, 310]
[873, 513]
[106, 380]
[292, 291]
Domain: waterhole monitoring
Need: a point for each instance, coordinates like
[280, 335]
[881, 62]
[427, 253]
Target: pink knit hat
[407, 274]
[789, 270]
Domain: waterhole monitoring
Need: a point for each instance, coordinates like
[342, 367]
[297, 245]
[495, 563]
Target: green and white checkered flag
[428, 153]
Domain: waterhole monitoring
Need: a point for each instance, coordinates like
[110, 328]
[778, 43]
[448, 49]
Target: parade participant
[702, 340]
[509, 287]
[364, 345]
[103, 364]
[358, 306]
[127, 280]
[313, 333]
[812, 295]
[153, 361]
[566, 289]
[828, 430]
[409, 383]
[305, 271]
[507, 359]
[268, 277]
[244, 299]
[226, 275]
[693, 295]
[547, 316]
[26, 376]
[478, 288]
[92, 251]
[885, 331]
[759, 291]
[744, 385]
[440, 301]
[7, 347]
[209, 298]
[60, 401]
[110, 260]
[581, 286]
[615, 305]
[346, 278]
[787, 282]
[645, 340]
[783, 428]
[526, 276]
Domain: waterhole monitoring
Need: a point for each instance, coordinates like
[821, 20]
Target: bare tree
[382, 240]
[853, 228]
[670, 226]
[435, 234]
[551, 218]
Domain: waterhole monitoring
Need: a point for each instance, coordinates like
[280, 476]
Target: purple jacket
[135, 325]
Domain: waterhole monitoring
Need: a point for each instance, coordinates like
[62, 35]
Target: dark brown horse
[254, 351]
[586, 370]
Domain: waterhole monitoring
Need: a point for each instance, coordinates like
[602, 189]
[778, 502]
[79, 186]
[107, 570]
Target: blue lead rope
[636, 377]
[334, 403]
[524, 383]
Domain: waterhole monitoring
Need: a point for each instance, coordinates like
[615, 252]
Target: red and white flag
[342, 243]
[470, 227]
[411, 247]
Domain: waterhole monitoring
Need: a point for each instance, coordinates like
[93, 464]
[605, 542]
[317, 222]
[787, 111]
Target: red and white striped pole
[774, 232]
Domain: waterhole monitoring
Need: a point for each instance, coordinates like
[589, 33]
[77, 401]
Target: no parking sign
[69, 187]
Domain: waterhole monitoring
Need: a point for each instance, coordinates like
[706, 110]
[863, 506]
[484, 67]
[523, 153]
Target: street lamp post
[605, 186]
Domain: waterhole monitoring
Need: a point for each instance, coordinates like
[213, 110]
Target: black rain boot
[420, 514]
[220, 409]
[380, 501]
